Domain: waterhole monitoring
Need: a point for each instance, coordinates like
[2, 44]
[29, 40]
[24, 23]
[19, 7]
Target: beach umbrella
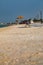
[20, 17]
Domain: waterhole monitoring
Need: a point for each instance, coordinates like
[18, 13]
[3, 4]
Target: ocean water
[3, 25]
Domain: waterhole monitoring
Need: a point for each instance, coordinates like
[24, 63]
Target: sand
[21, 46]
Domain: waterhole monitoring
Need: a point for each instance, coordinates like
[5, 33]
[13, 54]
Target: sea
[3, 25]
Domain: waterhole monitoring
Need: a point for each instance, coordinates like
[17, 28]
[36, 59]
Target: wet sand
[21, 46]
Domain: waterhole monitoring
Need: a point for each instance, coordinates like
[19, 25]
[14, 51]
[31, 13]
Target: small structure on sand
[19, 19]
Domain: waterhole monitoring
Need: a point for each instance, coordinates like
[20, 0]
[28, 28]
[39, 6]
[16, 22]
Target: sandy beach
[21, 46]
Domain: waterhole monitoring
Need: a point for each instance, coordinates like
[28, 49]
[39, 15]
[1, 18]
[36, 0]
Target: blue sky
[10, 9]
